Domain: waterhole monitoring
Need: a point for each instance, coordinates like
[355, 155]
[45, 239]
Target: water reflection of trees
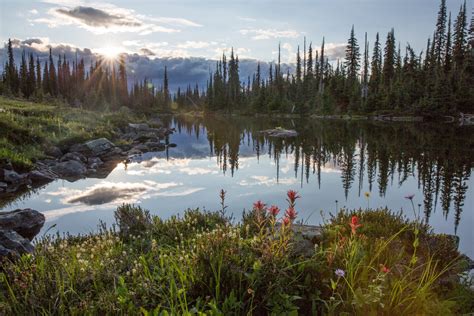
[439, 156]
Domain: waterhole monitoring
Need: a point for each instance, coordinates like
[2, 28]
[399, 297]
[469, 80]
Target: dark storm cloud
[97, 18]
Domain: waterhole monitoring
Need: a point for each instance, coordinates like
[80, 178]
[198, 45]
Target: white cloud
[194, 44]
[246, 19]
[266, 181]
[263, 34]
[33, 11]
[100, 18]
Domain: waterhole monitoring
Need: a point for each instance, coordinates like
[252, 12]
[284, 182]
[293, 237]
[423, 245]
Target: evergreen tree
[388, 71]
[460, 37]
[38, 74]
[52, 84]
[440, 34]
[23, 76]
[166, 88]
[298, 66]
[31, 81]
[352, 62]
[11, 76]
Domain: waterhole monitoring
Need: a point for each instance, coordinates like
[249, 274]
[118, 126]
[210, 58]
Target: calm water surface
[329, 161]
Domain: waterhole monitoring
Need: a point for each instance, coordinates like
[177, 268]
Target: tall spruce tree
[460, 38]
[352, 61]
[388, 71]
[440, 34]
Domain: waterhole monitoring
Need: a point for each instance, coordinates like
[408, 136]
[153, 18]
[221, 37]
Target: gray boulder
[138, 127]
[10, 176]
[53, 151]
[41, 176]
[74, 156]
[155, 146]
[12, 243]
[94, 162]
[156, 122]
[114, 154]
[70, 169]
[99, 147]
[26, 222]
[78, 148]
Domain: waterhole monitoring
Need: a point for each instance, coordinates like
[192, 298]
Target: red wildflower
[354, 224]
[292, 196]
[291, 213]
[286, 221]
[259, 206]
[384, 269]
[274, 210]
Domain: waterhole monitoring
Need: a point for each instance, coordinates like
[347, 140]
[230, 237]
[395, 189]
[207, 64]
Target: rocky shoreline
[93, 159]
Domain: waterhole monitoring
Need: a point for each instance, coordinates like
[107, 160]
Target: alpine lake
[332, 164]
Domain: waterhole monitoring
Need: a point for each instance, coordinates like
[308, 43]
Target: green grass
[202, 264]
[27, 128]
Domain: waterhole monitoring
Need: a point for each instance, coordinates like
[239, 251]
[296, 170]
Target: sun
[110, 52]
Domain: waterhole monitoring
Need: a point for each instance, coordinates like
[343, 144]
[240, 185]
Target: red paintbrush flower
[285, 221]
[273, 210]
[354, 224]
[292, 196]
[259, 206]
[291, 213]
[384, 269]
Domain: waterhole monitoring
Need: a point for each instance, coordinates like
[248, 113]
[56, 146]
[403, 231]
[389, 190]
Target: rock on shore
[17, 229]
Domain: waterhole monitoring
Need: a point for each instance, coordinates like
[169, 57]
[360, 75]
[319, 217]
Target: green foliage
[28, 128]
[202, 264]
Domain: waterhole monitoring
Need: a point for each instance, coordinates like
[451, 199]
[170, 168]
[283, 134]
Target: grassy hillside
[27, 129]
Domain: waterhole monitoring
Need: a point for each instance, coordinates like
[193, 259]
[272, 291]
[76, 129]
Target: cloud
[175, 21]
[107, 192]
[246, 19]
[33, 11]
[263, 34]
[98, 18]
[147, 52]
[335, 51]
[195, 44]
[101, 18]
[267, 181]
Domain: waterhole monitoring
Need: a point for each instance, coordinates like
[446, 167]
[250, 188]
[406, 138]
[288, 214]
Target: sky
[177, 30]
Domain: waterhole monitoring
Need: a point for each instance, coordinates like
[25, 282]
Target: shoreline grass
[28, 128]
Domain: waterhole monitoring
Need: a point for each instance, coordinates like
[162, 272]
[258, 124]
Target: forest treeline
[379, 77]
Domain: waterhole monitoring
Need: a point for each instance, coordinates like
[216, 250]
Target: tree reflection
[438, 156]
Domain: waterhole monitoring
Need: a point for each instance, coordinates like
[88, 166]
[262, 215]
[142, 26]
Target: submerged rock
[280, 132]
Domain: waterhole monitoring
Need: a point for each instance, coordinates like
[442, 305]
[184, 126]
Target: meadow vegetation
[29, 129]
[366, 262]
